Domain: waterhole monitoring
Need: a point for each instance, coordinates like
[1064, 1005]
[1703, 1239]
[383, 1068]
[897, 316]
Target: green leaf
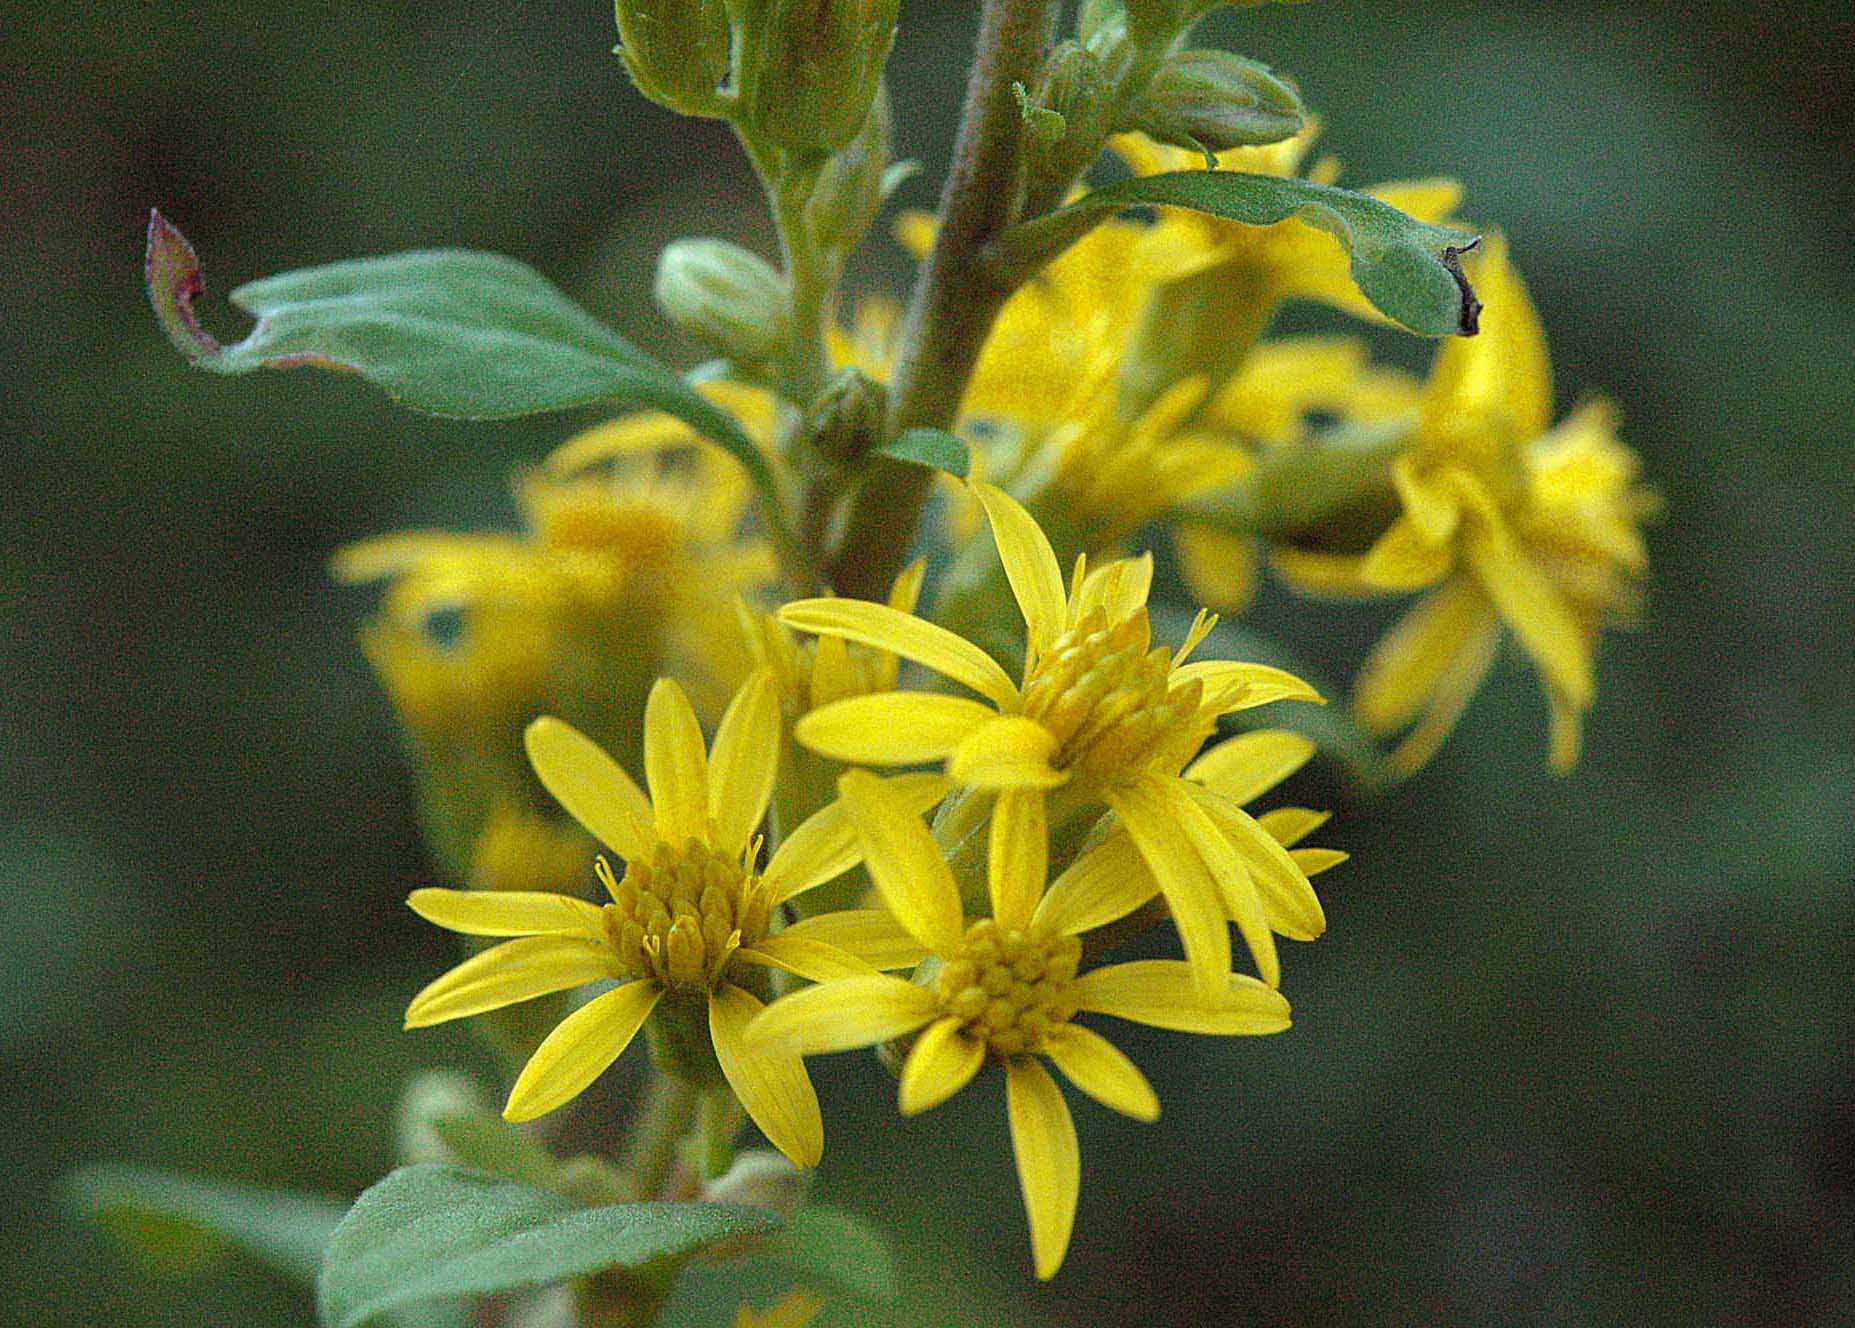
[440, 1232]
[178, 1223]
[1410, 270]
[450, 332]
[935, 448]
[1331, 727]
[838, 1245]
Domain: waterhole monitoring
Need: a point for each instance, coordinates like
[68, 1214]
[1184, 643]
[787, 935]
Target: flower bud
[1078, 88]
[725, 297]
[676, 51]
[813, 67]
[849, 190]
[846, 418]
[1214, 100]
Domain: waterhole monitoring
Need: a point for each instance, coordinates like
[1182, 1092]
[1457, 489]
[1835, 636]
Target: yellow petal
[891, 728]
[883, 628]
[580, 1049]
[392, 555]
[824, 846]
[1098, 1068]
[630, 435]
[1250, 764]
[1401, 673]
[1164, 993]
[513, 971]
[1043, 1139]
[1503, 375]
[1288, 826]
[1453, 690]
[905, 591]
[1154, 818]
[1219, 568]
[1030, 565]
[770, 1080]
[676, 765]
[843, 1015]
[1314, 861]
[1567, 733]
[507, 912]
[1289, 902]
[1103, 885]
[941, 1063]
[1537, 615]
[592, 787]
[1006, 752]
[1017, 856]
[1230, 685]
[1119, 589]
[1403, 559]
[813, 960]
[745, 763]
[1433, 509]
[834, 676]
[906, 864]
[871, 934]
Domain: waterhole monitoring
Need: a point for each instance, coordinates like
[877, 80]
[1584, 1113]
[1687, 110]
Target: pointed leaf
[1408, 269]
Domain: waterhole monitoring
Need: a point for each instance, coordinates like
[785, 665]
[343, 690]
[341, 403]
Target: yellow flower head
[812, 673]
[1007, 990]
[689, 922]
[1101, 715]
[1526, 526]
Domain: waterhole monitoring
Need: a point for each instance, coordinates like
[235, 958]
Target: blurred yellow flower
[690, 923]
[796, 1309]
[1524, 525]
[1101, 716]
[1006, 992]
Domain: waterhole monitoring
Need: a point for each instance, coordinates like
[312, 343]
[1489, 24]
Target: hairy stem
[956, 297]
[663, 1121]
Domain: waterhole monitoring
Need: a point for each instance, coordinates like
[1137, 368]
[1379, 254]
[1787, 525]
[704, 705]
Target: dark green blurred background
[1573, 1052]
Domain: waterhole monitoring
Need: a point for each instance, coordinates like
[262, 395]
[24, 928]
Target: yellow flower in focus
[1525, 525]
[795, 1310]
[1006, 992]
[1101, 717]
[690, 923]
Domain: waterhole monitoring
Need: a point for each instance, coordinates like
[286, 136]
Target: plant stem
[956, 296]
[663, 1121]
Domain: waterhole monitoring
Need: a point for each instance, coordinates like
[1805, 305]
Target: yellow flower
[815, 673]
[1526, 526]
[796, 1309]
[1100, 715]
[1006, 991]
[520, 850]
[690, 923]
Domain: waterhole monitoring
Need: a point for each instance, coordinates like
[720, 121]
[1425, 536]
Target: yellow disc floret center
[680, 916]
[1109, 700]
[1008, 988]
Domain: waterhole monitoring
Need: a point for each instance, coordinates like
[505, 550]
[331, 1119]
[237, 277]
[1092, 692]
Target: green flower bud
[725, 297]
[676, 51]
[1078, 88]
[813, 68]
[846, 418]
[1214, 100]
[849, 189]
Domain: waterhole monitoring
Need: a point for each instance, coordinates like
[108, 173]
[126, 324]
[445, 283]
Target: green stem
[663, 1121]
[957, 295]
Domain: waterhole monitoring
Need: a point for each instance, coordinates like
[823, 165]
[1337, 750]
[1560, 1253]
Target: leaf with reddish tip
[452, 332]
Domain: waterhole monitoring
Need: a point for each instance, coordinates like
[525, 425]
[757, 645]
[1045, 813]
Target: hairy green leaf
[1410, 270]
[180, 1223]
[440, 1232]
[935, 448]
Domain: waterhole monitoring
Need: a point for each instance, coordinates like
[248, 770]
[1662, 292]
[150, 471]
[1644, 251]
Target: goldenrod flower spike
[1527, 527]
[1007, 992]
[690, 920]
[1100, 714]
